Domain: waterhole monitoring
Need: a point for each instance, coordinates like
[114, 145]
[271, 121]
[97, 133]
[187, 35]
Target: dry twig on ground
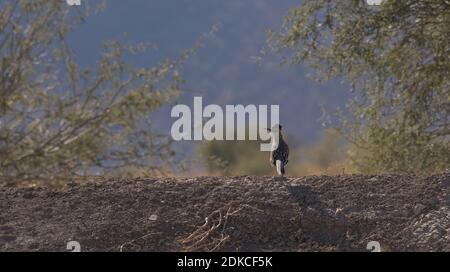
[212, 234]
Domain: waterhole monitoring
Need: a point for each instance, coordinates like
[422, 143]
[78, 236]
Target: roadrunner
[280, 150]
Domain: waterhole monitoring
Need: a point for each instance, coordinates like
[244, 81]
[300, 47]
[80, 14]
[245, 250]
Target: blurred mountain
[230, 68]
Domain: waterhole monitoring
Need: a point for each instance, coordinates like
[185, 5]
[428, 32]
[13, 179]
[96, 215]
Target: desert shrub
[396, 57]
[234, 157]
[59, 119]
[329, 155]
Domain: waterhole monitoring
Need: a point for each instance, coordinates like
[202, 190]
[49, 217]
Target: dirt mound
[315, 213]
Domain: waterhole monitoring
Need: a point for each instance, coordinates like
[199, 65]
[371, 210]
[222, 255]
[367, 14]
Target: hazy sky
[224, 71]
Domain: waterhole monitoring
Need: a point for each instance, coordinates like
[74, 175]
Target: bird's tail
[280, 167]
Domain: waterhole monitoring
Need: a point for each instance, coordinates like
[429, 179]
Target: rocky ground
[314, 213]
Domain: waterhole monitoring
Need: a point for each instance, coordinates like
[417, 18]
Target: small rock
[28, 195]
[419, 209]
[7, 238]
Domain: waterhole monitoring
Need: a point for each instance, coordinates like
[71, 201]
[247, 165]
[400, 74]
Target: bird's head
[275, 128]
